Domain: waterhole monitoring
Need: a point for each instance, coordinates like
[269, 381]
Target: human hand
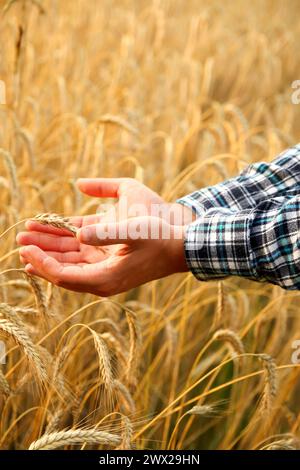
[106, 258]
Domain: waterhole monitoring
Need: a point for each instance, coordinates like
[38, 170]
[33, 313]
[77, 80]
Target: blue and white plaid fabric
[249, 225]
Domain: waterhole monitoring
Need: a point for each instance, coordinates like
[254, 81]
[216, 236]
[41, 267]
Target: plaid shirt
[249, 225]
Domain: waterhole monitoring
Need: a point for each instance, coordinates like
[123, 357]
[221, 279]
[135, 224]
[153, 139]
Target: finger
[100, 187]
[91, 219]
[49, 268]
[23, 260]
[48, 241]
[31, 270]
[106, 234]
[45, 265]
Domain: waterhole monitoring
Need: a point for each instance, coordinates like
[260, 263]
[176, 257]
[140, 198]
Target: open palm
[79, 262]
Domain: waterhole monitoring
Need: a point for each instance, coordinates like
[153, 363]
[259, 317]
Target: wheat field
[180, 95]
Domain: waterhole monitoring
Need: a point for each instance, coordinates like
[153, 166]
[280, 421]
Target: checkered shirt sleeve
[249, 225]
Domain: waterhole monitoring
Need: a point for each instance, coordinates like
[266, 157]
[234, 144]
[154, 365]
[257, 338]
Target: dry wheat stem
[123, 390]
[127, 433]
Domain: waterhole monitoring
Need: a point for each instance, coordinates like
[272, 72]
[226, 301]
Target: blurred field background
[180, 95]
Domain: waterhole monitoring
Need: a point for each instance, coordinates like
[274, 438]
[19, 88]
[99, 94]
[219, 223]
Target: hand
[134, 199]
[128, 256]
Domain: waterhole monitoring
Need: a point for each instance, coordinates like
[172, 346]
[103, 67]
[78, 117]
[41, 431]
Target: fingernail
[23, 251]
[85, 234]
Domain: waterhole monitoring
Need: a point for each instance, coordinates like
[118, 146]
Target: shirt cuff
[217, 245]
[192, 203]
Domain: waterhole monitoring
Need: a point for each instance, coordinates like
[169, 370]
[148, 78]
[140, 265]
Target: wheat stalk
[75, 437]
[127, 433]
[11, 168]
[123, 390]
[56, 221]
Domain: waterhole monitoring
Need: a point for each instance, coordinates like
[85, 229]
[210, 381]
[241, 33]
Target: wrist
[177, 249]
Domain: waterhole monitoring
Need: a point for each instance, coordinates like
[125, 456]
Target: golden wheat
[74, 437]
[55, 221]
[23, 340]
[148, 103]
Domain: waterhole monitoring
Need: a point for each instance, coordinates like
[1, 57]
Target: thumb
[106, 234]
[100, 187]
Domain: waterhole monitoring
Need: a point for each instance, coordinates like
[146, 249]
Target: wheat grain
[202, 410]
[75, 437]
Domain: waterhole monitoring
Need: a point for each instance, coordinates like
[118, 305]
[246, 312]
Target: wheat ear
[75, 437]
[56, 221]
[233, 341]
[134, 342]
[202, 410]
[4, 386]
[11, 168]
[271, 383]
[104, 360]
[282, 444]
[39, 295]
[23, 340]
